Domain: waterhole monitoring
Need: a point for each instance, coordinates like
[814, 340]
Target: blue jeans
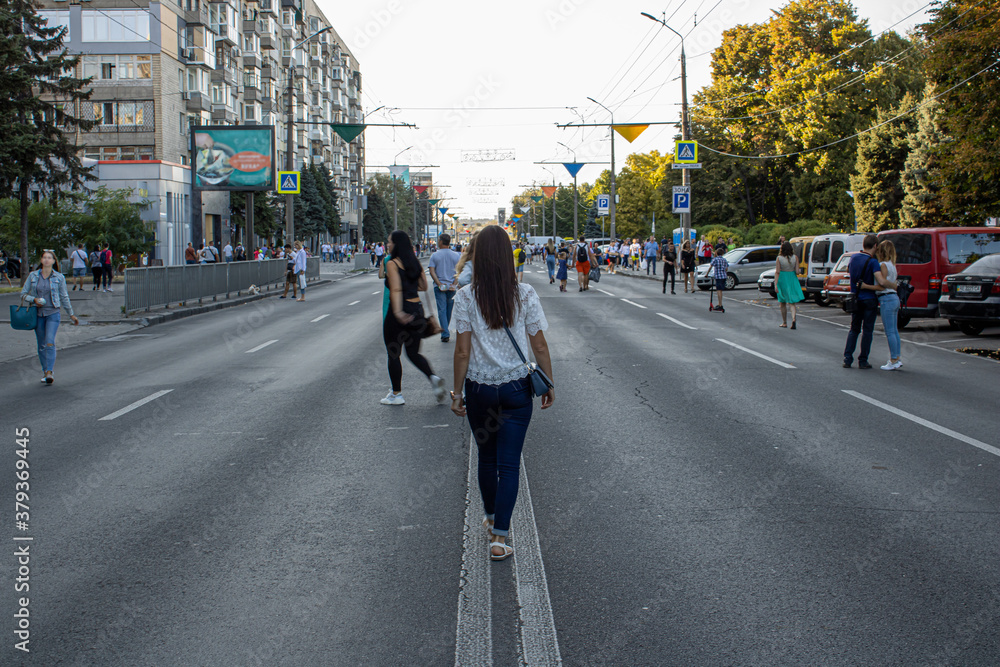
[445, 303]
[45, 333]
[499, 416]
[651, 264]
[889, 305]
[862, 324]
[550, 262]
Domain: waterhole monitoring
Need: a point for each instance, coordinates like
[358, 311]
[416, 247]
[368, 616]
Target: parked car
[838, 285]
[802, 246]
[765, 283]
[745, 266]
[971, 299]
[926, 256]
[825, 253]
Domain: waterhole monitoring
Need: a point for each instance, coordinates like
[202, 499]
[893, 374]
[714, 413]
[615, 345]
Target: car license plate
[844, 281]
[766, 283]
[968, 289]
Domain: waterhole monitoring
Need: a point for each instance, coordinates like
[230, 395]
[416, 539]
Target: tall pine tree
[921, 179]
[38, 98]
[376, 219]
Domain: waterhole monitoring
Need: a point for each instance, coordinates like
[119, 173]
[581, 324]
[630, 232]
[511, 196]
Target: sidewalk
[102, 315]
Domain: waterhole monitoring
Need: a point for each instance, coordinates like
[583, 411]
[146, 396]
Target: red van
[925, 256]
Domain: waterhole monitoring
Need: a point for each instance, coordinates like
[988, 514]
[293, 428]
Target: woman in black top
[669, 257]
[687, 266]
[405, 325]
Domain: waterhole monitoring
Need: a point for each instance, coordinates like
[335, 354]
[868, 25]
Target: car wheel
[970, 328]
[821, 300]
[731, 282]
[902, 319]
[953, 324]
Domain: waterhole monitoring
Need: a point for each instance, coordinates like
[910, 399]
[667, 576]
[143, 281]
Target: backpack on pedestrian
[581, 253]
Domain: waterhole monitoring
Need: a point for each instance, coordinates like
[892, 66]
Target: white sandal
[488, 527]
[507, 551]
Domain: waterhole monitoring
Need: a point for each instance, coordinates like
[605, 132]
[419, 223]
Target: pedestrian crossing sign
[289, 183]
[686, 152]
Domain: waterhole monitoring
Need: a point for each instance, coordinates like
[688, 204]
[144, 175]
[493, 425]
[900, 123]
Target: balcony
[315, 86]
[227, 74]
[316, 110]
[268, 42]
[315, 134]
[253, 59]
[225, 113]
[252, 26]
[196, 101]
[226, 33]
[271, 72]
[197, 16]
[268, 7]
[197, 55]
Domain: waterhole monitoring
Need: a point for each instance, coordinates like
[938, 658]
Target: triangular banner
[525, 209]
[398, 170]
[444, 211]
[549, 190]
[433, 202]
[574, 167]
[537, 198]
[631, 131]
[421, 188]
[347, 131]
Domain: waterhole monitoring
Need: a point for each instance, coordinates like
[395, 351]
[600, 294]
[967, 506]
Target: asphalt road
[703, 492]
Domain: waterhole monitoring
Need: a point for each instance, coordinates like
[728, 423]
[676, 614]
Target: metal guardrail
[152, 286]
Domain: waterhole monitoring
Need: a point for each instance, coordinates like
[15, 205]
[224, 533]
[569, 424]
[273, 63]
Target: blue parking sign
[682, 202]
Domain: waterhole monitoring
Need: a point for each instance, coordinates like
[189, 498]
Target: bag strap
[514, 343]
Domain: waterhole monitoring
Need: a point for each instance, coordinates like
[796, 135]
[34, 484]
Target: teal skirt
[788, 288]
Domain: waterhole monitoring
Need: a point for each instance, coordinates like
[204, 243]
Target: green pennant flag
[347, 131]
[536, 198]
[433, 202]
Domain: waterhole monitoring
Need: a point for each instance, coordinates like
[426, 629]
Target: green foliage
[921, 178]
[266, 222]
[963, 40]
[386, 186]
[376, 219]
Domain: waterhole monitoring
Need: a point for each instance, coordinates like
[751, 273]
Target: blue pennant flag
[573, 168]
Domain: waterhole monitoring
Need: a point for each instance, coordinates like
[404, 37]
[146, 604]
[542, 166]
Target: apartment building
[159, 68]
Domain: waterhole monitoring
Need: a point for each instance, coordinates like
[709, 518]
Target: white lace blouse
[493, 359]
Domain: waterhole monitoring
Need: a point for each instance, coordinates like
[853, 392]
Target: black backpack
[581, 253]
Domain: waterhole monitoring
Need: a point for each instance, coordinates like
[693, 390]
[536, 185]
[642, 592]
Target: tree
[882, 153]
[963, 61]
[328, 193]
[114, 219]
[37, 94]
[376, 218]
[265, 213]
[921, 179]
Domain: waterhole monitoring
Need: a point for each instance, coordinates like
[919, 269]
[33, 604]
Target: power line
[856, 134]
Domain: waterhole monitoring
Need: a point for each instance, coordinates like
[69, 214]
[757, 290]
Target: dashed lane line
[677, 322]
[637, 305]
[354, 303]
[604, 291]
[756, 354]
[923, 422]
[320, 317]
[261, 346]
[129, 408]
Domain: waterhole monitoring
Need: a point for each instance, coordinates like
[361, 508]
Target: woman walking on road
[497, 399]
[45, 289]
[464, 267]
[687, 266]
[550, 260]
[405, 324]
[787, 282]
[888, 301]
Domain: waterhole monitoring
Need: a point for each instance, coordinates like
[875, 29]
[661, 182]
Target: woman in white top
[497, 398]
[888, 301]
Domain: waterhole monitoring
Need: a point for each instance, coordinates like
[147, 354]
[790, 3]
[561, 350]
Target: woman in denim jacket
[45, 288]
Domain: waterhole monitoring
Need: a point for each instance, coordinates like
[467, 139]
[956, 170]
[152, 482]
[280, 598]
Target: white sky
[447, 64]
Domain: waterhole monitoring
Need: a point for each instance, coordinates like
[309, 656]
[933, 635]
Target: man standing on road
[862, 269]
[442, 268]
[300, 268]
[227, 252]
[720, 271]
[652, 249]
[79, 258]
[190, 254]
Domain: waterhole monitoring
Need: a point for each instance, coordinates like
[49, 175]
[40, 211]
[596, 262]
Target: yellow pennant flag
[630, 131]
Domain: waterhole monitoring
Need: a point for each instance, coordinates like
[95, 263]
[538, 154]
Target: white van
[542, 240]
[825, 252]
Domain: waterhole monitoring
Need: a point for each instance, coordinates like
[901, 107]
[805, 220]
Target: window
[182, 123]
[287, 17]
[757, 256]
[115, 25]
[119, 152]
[820, 251]
[911, 248]
[121, 116]
[118, 68]
[838, 250]
[57, 19]
[967, 248]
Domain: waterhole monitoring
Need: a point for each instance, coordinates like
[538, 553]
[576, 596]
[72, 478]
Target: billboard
[233, 157]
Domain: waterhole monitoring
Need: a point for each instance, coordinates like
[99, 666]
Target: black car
[971, 299]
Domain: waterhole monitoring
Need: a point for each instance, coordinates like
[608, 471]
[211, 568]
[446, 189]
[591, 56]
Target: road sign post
[289, 182]
[682, 199]
[603, 204]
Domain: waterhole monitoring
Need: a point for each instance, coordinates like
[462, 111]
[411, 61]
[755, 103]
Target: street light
[685, 119]
[290, 135]
[612, 205]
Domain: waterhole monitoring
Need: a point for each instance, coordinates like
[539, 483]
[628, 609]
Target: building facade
[159, 68]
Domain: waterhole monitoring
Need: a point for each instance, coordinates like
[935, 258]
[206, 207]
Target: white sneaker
[891, 365]
[393, 399]
[438, 384]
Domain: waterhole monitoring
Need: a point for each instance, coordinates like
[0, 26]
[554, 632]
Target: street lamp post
[290, 135]
[395, 208]
[685, 119]
[576, 206]
[612, 205]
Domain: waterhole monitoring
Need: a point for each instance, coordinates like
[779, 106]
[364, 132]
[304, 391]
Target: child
[720, 270]
[561, 272]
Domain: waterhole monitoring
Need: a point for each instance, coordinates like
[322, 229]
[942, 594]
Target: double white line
[539, 644]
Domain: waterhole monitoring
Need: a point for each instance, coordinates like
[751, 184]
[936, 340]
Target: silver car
[745, 265]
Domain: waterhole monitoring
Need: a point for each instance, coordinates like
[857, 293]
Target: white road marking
[129, 408]
[320, 317]
[396, 428]
[437, 426]
[923, 422]
[678, 322]
[353, 303]
[374, 293]
[474, 633]
[637, 305]
[539, 644]
[604, 290]
[756, 354]
[261, 346]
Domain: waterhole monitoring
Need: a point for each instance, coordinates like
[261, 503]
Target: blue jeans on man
[651, 264]
[45, 334]
[862, 324]
[445, 301]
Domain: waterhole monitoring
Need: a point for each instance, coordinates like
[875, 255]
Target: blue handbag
[23, 318]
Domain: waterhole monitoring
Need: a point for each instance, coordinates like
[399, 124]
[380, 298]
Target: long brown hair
[885, 251]
[786, 249]
[494, 283]
[467, 254]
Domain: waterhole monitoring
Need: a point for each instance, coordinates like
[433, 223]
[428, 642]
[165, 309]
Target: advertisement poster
[228, 157]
